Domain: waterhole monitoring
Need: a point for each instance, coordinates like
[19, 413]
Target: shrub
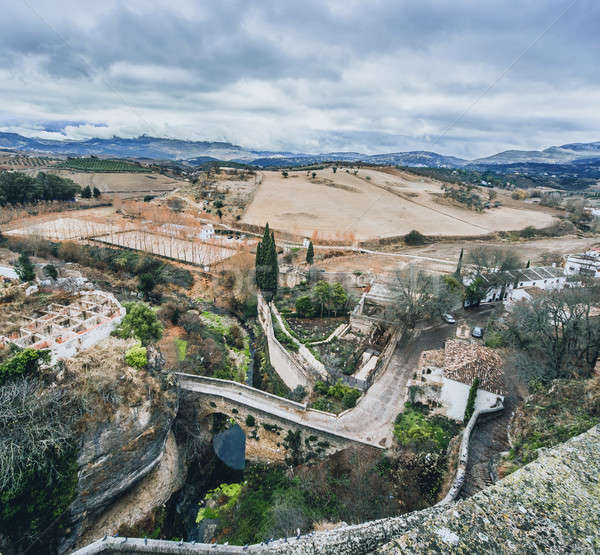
[323, 404]
[298, 393]
[415, 238]
[250, 421]
[470, 408]
[304, 306]
[23, 363]
[141, 322]
[24, 268]
[50, 271]
[137, 357]
[528, 232]
[414, 426]
[494, 340]
[350, 397]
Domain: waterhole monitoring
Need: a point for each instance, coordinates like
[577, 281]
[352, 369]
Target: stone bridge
[267, 420]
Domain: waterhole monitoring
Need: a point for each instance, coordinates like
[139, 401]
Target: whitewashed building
[586, 264]
[541, 277]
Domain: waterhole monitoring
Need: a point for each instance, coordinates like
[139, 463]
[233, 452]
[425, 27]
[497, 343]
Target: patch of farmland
[123, 184]
[193, 252]
[61, 229]
[373, 203]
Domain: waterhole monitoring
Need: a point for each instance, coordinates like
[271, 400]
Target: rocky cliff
[123, 435]
[551, 505]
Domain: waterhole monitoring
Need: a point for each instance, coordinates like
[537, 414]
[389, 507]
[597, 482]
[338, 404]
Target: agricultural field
[193, 252]
[376, 203]
[100, 165]
[123, 184]
[61, 229]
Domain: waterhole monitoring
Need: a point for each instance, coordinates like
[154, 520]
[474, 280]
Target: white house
[586, 264]
[541, 277]
[207, 232]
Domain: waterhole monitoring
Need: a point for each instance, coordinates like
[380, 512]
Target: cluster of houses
[524, 284]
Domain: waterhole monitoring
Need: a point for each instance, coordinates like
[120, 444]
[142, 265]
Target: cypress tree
[274, 266]
[258, 268]
[310, 253]
[459, 265]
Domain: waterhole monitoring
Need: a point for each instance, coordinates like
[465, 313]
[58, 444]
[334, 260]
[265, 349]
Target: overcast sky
[310, 75]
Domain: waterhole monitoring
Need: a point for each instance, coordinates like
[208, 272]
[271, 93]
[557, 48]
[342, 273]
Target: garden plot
[62, 229]
[193, 252]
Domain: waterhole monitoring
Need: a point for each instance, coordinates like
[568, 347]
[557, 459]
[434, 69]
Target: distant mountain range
[200, 152]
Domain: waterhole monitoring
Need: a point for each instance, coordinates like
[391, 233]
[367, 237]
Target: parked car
[448, 318]
[477, 332]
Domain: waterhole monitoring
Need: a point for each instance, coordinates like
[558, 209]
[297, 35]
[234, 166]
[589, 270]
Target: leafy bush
[225, 495]
[470, 408]
[350, 397]
[284, 339]
[494, 339]
[50, 271]
[414, 238]
[304, 306]
[414, 426]
[24, 268]
[250, 421]
[141, 322]
[23, 363]
[137, 357]
[323, 404]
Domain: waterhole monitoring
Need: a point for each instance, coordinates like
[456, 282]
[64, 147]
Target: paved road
[373, 418]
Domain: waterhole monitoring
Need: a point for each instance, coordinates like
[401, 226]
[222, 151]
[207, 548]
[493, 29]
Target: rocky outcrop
[123, 437]
[551, 505]
[152, 491]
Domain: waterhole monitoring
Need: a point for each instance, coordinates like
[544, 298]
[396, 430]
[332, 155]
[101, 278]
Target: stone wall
[289, 370]
[551, 505]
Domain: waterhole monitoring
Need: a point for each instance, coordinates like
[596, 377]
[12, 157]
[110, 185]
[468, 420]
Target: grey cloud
[385, 74]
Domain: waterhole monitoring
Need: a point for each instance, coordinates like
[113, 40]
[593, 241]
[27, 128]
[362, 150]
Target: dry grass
[102, 380]
[373, 204]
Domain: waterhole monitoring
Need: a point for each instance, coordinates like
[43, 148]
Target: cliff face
[122, 439]
[552, 505]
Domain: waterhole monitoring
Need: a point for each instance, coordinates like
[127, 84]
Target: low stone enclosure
[549, 506]
[67, 329]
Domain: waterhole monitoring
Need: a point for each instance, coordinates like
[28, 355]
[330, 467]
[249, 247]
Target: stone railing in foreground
[552, 505]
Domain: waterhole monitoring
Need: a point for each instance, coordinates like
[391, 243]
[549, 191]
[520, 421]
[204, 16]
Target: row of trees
[19, 188]
[86, 192]
[267, 268]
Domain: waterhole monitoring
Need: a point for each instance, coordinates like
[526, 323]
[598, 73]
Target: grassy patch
[181, 346]
[334, 398]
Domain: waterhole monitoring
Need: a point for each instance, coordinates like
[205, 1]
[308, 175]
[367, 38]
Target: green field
[98, 165]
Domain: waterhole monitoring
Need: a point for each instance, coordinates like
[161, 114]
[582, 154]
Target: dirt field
[122, 184]
[60, 229]
[375, 204]
[194, 252]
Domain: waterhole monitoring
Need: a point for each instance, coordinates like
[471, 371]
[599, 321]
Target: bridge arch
[276, 429]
